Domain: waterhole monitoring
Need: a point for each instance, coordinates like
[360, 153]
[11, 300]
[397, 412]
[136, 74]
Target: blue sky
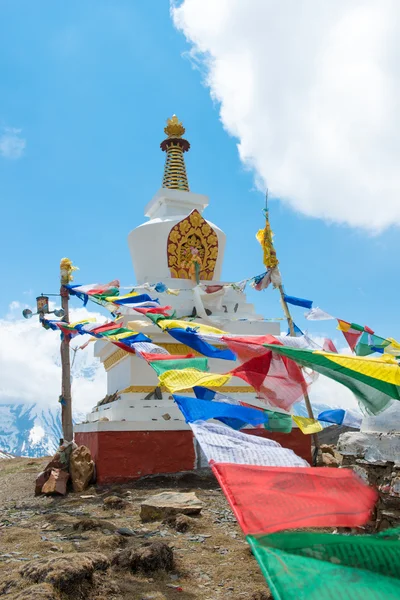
[88, 86]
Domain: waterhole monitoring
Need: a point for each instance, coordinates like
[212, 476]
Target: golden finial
[174, 128]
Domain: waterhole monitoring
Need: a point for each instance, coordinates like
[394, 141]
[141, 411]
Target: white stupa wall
[148, 242]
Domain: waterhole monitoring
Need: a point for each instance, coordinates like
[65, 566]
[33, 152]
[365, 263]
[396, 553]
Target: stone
[260, 596]
[166, 504]
[148, 558]
[40, 481]
[56, 483]
[81, 468]
[125, 531]
[329, 461]
[327, 448]
[113, 502]
[65, 570]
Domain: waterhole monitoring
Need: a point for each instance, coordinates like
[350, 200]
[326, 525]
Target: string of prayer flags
[176, 381]
[317, 314]
[223, 445]
[374, 381]
[171, 362]
[269, 499]
[322, 566]
[307, 425]
[95, 291]
[194, 409]
[298, 301]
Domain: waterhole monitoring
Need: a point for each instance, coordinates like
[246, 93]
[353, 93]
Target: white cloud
[12, 145]
[30, 363]
[311, 90]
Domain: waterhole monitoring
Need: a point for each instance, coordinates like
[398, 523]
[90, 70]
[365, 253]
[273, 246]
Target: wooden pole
[66, 399]
[293, 334]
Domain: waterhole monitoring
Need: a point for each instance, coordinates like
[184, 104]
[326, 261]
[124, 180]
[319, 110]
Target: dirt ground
[211, 560]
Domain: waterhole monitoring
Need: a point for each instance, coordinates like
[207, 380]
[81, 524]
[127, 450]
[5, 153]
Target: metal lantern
[42, 304]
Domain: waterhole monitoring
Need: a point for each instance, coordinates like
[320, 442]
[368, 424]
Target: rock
[81, 468]
[40, 481]
[260, 596]
[37, 592]
[112, 502]
[166, 504]
[56, 483]
[329, 461]
[64, 570]
[125, 531]
[325, 448]
[148, 558]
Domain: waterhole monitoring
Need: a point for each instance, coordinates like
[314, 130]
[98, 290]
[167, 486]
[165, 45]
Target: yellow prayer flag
[384, 368]
[264, 237]
[200, 328]
[114, 298]
[183, 379]
[307, 425]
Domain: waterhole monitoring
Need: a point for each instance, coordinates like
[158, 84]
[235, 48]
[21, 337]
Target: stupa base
[122, 455]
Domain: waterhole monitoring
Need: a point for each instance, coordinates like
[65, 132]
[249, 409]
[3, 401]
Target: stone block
[56, 483]
[166, 504]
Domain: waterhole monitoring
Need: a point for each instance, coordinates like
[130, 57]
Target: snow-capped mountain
[30, 430]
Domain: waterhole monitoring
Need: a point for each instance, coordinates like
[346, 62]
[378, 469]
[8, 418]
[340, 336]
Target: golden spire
[175, 177]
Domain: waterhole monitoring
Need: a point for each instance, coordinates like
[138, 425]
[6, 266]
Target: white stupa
[142, 431]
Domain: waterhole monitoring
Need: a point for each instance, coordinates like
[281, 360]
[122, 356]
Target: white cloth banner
[225, 445]
[140, 347]
[317, 314]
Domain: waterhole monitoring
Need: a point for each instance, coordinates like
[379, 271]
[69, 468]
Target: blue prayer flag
[193, 340]
[298, 301]
[194, 409]
[332, 416]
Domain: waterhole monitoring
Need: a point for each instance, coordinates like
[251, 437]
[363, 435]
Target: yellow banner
[307, 425]
[187, 378]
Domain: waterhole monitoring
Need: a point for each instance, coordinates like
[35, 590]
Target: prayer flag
[317, 314]
[172, 363]
[307, 425]
[322, 566]
[176, 381]
[374, 381]
[332, 416]
[268, 499]
[223, 445]
[194, 409]
[351, 331]
[192, 339]
[298, 301]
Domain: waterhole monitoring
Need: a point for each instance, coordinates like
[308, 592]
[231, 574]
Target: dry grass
[212, 559]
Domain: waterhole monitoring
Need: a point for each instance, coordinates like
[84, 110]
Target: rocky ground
[94, 545]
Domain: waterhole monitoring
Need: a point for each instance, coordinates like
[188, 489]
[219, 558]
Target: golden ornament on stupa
[174, 128]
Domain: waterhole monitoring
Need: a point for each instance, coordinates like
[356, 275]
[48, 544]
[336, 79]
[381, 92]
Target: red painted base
[123, 456]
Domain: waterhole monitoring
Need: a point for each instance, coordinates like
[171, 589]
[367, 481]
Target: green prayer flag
[197, 362]
[278, 422]
[323, 566]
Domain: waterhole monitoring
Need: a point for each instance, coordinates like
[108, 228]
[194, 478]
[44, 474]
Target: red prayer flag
[150, 356]
[277, 379]
[268, 499]
[157, 310]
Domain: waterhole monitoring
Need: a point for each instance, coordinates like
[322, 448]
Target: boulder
[148, 558]
[40, 481]
[164, 505]
[183, 523]
[81, 468]
[56, 483]
[65, 570]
